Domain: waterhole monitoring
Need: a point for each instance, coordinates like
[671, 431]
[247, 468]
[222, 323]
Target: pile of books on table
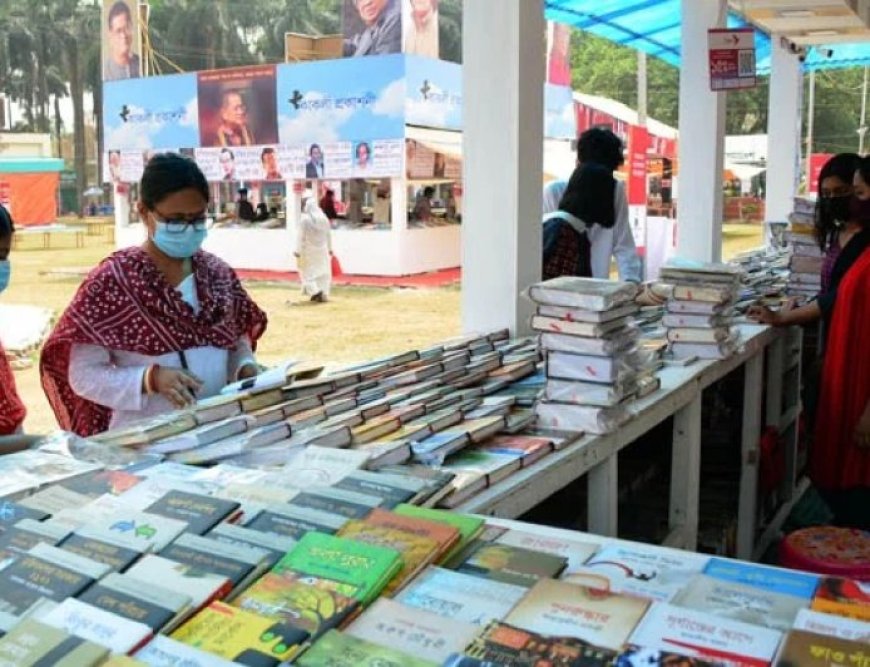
[805, 265]
[700, 312]
[168, 564]
[594, 365]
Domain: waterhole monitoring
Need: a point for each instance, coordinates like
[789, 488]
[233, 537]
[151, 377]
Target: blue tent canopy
[654, 26]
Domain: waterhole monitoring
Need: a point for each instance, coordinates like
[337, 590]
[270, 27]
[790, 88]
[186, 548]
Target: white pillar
[702, 138]
[503, 121]
[783, 132]
[398, 204]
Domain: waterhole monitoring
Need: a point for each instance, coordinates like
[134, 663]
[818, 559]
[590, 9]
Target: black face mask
[837, 209]
[859, 210]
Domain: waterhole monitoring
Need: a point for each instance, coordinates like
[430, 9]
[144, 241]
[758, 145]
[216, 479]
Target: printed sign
[732, 58]
[638, 143]
[817, 161]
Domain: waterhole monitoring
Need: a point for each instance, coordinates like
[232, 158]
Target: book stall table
[680, 398]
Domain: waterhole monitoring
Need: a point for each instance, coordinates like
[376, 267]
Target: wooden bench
[46, 233]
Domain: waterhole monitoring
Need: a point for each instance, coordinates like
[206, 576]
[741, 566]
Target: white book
[575, 551]
[237, 444]
[152, 531]
[204, 435]
[116, 633]
[70, 561]
[202, 587]
[583, 293]
[721, 350]
[608, 345]
[589, 393]
[580, 315]
[687, 320]
[586, 418]
[586, 368]
[697, 307]
[322, 466]
[461, 597]
[832, 626]
[700, 335]
[151, 489]
[573, 328]
[165, 652]
[55, 499]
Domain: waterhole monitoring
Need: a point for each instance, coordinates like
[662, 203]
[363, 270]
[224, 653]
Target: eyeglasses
[176, 226]
[839, 191]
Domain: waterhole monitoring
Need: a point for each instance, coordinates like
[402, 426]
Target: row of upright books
[167, 564]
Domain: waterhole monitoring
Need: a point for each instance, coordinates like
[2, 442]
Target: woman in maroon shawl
[153, 327]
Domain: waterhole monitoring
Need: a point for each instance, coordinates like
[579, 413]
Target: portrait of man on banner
[238, 107]
[372, 27]
[120, 29]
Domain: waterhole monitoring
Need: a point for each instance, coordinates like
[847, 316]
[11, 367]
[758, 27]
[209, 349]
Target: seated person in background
[423, 205]
[155, 327]
[244, 208]
[262, 212]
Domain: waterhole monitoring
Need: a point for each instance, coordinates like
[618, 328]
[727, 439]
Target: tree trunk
[58, 126]
[42, 97]
[77, 93]
[98, 122]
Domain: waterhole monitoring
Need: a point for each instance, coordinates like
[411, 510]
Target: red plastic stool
[841, 552]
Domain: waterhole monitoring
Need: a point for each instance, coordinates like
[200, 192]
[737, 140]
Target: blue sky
[324, 89]
[162, 112]
[443, 109]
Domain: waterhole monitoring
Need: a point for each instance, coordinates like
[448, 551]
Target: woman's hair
[842, 166]
[863, 169]
[7, 227]
[168, 173]
[429, 191]
[589, 195]
[601, 146]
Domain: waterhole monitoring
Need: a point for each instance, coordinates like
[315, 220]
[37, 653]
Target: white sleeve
[93, 376]
[624, 249]
[242, 356]
[300, 231]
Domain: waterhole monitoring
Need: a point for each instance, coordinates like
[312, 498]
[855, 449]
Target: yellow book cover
[417, 551]
[241, 636]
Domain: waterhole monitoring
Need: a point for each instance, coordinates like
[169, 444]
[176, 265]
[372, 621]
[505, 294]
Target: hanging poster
[420, 25]
[237, 107]
[732, 58]
[371, 27]
[121, 42]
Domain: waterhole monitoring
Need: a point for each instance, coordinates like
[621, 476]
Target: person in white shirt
[603, 147]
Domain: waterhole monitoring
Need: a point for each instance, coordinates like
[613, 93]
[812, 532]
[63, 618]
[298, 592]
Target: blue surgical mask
[5, 274]
[178, 244]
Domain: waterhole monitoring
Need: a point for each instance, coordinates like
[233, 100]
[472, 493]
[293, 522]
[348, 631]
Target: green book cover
[366, 566]
[469, 527]
[335, 649]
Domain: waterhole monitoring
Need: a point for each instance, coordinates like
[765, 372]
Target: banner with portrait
[371, 27]
[237, 107]
[121, 40]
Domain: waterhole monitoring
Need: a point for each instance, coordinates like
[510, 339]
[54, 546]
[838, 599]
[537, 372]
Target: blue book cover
[788, 582]
[437, 441]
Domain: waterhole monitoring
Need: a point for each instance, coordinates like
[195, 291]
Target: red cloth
[126, 304]
[836, 461]
[12, 410]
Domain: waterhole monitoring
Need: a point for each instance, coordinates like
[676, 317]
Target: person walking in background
[327, 204]
[314, 250]
[155, 327]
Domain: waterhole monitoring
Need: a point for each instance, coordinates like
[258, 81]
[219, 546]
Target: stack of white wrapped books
[805, 264]
[700, 313]
[593, 363]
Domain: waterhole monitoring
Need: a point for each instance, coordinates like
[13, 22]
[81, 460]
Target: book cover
[413, 631]
[241, 636]
[775, 580]
[312, 604]
[294, 522]
[149, 604]
[639, 656]
[32, 643]
[276, 546]
[216, 408]
[740, 602]
[563, 609]
[237, 564]
[580, 315]
[115, 553]
[200, 513]
[116, 633]
[844, 597]
[416, 551]
[575, 552]
[438, 446]
[322, 466]
[504, 644]
[151, 531]
[581, 293]
[200, 586]
[336, 649]
[833, 626]
[20, 538]
[698, 335]
[165, 652]
[54, 499]
[807, 649]
[203, 435]
[11, 513]
[392, 488]
[445, 536]
[529, 449]
[97, 483]
[335, 501]
[706, 636]
[570, 327]
[468, 526]
[493, 466]
[30, 578]
[365, 566]
[514, 565]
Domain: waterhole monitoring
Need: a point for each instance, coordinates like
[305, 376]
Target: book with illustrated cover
[437, 447]
[640, 656]
[151, 531]
[97, 483]
[385, 453]
[337, 649]
[165, 652]
[843, 597]
[564, 609]
[242, 636]
[576, 552]
[276, 546]
[116, 633]
[466, 484]
[469, 526]
[413, 631]
[32, 644]
[513, 565]
[529, 449]
[701, 635]
[294, 522]
[740, 602]
[833, 626]
[416, 551]
[807, 649]
[492, 466]
[336, 501]
[504, 644]
[582, 293]
[312, 604]
[445, 536]
[775, 580]
[200, 513]
[11, 513]
[200, 586]
[148, 603]
[367, 567]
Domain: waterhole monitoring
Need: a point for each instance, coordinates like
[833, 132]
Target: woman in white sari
[314, 250]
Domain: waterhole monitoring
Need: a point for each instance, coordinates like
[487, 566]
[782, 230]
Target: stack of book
[700, 312]
[805, 264]
[593, 363]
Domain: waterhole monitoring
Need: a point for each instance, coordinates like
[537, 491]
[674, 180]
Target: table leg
[686, 475]
[603, 497]
[747, 506]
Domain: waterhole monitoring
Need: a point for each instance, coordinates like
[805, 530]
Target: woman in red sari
[12, 410]
[155, 327]
[840, 459]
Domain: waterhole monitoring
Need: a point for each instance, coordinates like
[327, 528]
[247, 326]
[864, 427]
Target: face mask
[179, 245]
[5, 274]
[837, 209]
[859, 210]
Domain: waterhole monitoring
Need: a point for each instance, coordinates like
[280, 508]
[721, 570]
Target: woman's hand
[764, 315]
[247, 371]
[177, 386]
[862, 430]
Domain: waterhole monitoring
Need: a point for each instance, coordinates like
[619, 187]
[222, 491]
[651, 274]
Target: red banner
[732, 58]
[638, 144]
[817, 161]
